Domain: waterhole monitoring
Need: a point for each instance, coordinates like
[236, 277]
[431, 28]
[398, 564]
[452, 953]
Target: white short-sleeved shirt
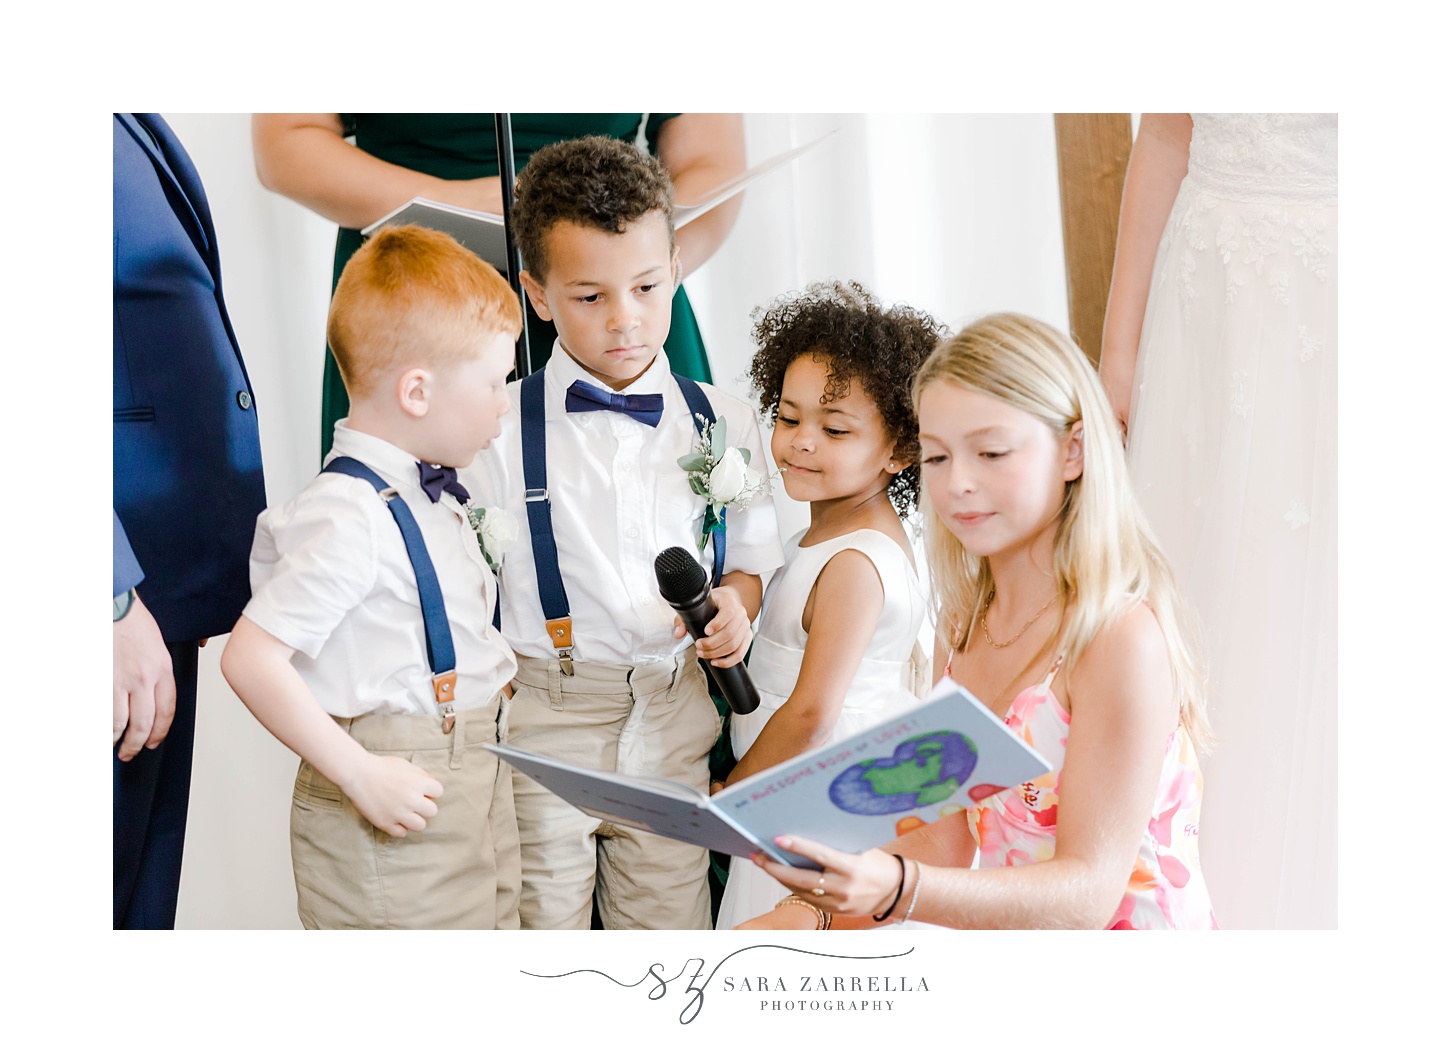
[618, 498]
[331, 578]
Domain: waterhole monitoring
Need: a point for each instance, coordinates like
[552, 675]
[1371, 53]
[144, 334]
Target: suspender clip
[443, 687]
[561, 632]
[536, 495]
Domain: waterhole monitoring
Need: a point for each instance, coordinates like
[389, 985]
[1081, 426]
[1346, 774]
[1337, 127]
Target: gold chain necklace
[982, 620]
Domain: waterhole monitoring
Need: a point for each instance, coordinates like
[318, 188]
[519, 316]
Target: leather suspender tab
[561, 632]
[444, 685]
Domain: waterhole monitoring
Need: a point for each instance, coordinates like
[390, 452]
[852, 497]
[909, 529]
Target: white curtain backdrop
[957, 214]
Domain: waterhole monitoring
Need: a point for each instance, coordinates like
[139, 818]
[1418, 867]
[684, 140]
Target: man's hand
[728, 634]
[393, 794]
[143, 689]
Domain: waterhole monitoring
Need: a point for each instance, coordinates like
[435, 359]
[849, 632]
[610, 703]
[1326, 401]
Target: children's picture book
[922, 764]
[483, 233]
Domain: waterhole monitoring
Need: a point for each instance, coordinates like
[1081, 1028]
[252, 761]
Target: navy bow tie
[438, 480]
[586, 398]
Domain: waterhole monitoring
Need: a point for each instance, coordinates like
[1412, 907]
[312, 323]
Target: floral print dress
[1019, 825]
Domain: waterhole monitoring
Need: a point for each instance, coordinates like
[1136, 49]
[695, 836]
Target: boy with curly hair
[587, 464]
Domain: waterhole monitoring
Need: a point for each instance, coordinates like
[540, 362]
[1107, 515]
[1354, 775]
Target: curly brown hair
[595, 182]
[844, 327]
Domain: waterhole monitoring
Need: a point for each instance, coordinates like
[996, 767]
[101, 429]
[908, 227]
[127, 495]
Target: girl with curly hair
[837, 648]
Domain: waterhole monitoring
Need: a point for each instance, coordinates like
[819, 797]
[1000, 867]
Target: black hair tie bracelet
[900, 884]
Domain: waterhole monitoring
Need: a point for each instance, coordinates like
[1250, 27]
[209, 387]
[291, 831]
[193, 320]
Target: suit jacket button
[244, 400]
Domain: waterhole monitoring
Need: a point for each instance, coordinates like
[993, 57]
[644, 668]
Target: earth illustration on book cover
[922, 771]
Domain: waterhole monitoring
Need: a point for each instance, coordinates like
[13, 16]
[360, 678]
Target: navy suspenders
[541, 523]
[435, 618]
[552, 597]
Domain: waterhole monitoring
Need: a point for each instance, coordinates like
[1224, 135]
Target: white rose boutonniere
[496, 530]
[720, 473]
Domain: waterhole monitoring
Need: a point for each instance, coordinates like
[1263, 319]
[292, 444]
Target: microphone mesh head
[679, 574]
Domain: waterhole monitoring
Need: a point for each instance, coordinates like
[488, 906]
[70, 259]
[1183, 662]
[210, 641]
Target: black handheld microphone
[684, 584]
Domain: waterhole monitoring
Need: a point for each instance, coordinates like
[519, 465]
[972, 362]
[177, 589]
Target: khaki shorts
[653, 719]
[460, 871]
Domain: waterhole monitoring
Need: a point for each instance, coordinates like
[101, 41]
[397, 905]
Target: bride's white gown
[1232, 452]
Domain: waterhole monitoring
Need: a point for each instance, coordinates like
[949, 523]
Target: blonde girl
[1057, 610]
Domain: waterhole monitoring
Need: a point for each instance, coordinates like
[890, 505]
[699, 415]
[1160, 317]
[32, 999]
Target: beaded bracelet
[915, 888]
[900, 884]
[823, 918]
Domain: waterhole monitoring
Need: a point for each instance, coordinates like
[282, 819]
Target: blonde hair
[1105, 560]
[412, 295]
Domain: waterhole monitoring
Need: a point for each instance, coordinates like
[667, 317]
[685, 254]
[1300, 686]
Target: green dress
[456, 146]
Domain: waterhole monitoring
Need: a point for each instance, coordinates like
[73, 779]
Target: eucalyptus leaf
[694, 462]
[745, 455]
[697, 485]
[717, 439]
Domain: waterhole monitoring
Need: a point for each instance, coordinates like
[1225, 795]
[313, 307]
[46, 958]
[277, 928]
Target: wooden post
[1093, 153]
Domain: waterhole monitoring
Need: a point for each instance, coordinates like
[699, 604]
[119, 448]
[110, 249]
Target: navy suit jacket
[187, 462]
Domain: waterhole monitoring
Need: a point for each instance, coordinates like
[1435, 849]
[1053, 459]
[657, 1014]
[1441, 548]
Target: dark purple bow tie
[438, 480]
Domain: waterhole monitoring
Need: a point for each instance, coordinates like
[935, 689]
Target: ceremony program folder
[483, 233]
[480, 232]
[924, 763]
